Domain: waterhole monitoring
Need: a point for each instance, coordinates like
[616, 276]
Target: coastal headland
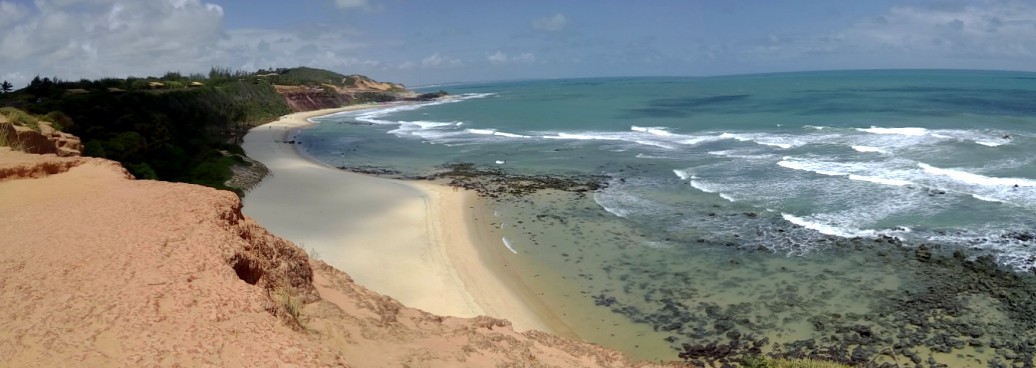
[109, 271]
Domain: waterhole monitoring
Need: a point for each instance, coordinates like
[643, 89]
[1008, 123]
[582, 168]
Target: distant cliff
[105, 271]
[176, 127]
[306, 89]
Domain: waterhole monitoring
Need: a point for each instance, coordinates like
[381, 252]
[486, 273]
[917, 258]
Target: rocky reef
[491, 182]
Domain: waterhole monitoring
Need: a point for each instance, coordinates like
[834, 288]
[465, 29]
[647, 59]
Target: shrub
[60, 120]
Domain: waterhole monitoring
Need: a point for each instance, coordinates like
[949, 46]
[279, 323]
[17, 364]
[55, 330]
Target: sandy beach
[417, 242]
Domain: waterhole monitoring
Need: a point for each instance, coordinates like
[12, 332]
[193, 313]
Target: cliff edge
[97, 269]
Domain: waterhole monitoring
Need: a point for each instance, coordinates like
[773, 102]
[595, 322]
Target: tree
[6, 87]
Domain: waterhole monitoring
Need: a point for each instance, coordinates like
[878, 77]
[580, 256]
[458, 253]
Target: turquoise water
[753, 188]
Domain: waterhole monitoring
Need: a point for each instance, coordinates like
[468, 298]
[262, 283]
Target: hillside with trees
[185, 128]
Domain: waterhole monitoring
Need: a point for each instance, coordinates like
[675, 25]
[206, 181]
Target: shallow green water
[750, 207]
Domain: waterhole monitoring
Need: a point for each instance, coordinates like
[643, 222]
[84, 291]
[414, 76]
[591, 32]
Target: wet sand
[414, 241]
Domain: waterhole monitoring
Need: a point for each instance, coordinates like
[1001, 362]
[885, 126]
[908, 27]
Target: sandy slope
[408, 240]
[98, 270]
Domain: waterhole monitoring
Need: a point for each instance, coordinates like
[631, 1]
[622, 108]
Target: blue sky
[427, 42]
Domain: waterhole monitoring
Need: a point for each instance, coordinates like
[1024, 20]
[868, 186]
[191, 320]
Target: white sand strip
[411, 241]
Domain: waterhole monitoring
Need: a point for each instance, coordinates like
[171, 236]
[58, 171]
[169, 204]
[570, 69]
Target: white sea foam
[702, 186]
[827, 229]
[737, 137]
[701, 139]
[432, 124]
[880, 180]
[373, 116]
[844, 170]
[697, 184]
[659, 131]
[510, 135]
[424, 129]
[654, 143]
[612, 208]
[780, 141]
[976, 179]
[508, 245]
[481, 131]
[897, 131]
[991, 143]
[582, 137]
[683, 174]
[988, 199]
[867, 149]
[774, 144]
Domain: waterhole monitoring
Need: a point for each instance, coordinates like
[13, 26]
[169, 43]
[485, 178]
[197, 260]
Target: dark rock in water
[1024, 236]
[495, 183]
[723, 325]
[860, 355]
[923, 254]
[604, 300]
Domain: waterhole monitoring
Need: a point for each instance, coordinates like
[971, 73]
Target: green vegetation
[7, 139]
[760, 362]
[302, 76]
[6, 87]
[177, 127]
[19, 117]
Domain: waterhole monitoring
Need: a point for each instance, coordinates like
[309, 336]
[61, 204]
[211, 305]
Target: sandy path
[411, 241]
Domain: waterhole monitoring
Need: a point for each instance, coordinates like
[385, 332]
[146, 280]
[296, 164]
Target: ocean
[852, 215]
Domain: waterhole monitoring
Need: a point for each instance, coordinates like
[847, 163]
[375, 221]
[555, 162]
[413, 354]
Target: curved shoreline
[417, 242]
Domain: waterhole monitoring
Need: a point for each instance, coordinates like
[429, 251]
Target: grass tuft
[290, 304]
[19, 117]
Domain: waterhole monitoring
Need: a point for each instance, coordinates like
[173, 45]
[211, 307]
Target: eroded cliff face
[349, 90]
[306, 98]
[46, 140]
[102, 270]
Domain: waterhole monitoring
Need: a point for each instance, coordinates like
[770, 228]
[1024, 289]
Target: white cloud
[10, 13]
[994, 34]
[351, 4]
[325, 48]
[93, 38]
[438, 61]
[1005, 29]
[556, 22]
[499, 58]
[74, 39]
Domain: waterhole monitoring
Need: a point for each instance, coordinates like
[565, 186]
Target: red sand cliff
[97, 269]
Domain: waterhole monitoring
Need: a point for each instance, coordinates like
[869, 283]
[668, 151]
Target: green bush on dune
[167, 129]
[174, 128]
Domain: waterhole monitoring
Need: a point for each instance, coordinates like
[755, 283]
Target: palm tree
[6, 86]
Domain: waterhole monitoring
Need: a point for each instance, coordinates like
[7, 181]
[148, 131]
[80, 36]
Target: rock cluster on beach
[102, 270]
[946, 313]
[491, 182]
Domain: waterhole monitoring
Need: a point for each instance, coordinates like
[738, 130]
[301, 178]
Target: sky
[420, 42]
